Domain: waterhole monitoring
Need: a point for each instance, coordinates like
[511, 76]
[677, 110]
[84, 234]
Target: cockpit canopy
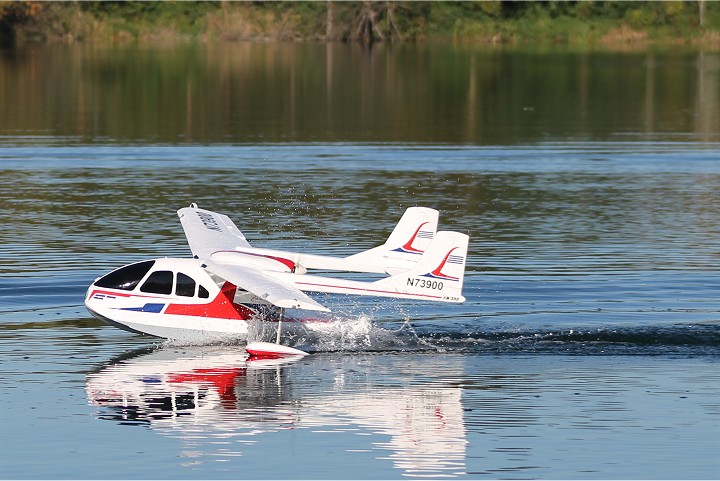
[160, 281]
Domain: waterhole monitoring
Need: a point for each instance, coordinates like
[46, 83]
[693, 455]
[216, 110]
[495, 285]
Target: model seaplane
[227, 283]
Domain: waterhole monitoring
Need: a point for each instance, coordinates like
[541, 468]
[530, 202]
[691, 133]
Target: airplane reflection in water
[200, 394]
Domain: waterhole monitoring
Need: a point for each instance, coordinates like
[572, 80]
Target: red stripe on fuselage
[363, 289]
[116, 294]
[222, 307]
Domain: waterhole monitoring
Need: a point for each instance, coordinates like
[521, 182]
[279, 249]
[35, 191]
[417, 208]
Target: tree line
[367, 22]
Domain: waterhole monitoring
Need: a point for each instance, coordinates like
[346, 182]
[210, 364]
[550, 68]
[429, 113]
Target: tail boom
[420, 289]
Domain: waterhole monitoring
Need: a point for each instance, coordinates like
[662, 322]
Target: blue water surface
[588, 346]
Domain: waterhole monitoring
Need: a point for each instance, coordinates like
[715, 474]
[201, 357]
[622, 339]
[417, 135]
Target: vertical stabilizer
[407, 242]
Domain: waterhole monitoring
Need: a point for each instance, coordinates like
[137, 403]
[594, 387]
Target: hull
[191, 329]
[174, 299]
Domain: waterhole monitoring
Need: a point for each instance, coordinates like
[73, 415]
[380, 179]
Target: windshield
[125, 278]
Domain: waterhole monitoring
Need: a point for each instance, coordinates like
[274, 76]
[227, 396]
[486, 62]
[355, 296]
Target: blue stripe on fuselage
[149, 307]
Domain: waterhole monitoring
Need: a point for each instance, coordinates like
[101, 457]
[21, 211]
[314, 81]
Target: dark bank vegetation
[570, 22]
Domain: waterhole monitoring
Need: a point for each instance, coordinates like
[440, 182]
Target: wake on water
[361, 333]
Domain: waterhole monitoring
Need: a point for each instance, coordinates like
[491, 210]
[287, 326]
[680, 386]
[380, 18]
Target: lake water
[589, 344]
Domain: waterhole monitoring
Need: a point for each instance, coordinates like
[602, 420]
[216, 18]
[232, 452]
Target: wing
[208, 232]
[274, 291]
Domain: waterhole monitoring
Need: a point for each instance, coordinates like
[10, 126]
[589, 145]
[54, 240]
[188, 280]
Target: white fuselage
[188, 306]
